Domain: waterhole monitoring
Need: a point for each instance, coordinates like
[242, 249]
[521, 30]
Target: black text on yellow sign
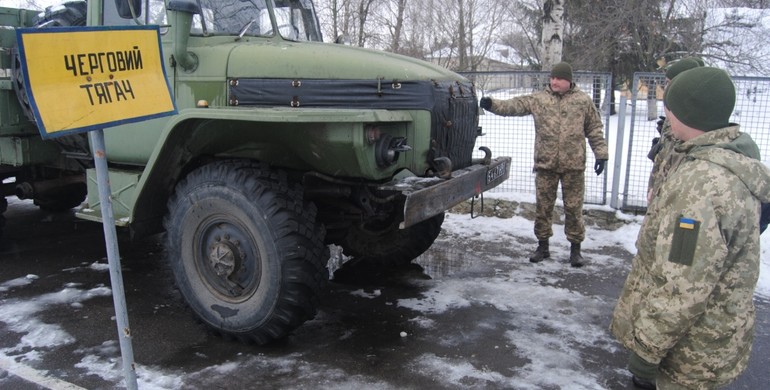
[83, 78]
[111, 62]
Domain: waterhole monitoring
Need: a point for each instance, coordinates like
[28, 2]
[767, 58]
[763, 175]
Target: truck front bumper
[427, 198]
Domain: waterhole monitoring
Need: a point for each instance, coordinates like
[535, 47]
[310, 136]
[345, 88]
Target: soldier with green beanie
[680, 66]
[698, 60]
[564, 118]
[662, 152]
[686, 312]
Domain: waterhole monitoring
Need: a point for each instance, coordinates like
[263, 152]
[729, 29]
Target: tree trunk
[553, 28]
[462, 48]
[395, 45]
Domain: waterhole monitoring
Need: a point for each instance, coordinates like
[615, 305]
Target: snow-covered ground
[577, 319]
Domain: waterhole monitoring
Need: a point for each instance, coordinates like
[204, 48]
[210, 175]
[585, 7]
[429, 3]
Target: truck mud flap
[464, 184]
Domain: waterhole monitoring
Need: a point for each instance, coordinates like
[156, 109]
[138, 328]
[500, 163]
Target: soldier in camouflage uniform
[686, 311]
[564, 117]
[662, 152]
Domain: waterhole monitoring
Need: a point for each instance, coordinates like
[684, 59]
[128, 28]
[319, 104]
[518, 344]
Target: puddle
[437, 262]
[440, 262]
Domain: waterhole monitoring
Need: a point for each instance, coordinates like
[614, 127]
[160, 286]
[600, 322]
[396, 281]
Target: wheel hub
[225, 257]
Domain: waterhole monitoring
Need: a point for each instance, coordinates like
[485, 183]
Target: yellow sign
[87, 78]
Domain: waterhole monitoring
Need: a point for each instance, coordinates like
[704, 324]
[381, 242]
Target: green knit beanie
[562, 70]
[702, 98]
[680, 66]
[698, 60]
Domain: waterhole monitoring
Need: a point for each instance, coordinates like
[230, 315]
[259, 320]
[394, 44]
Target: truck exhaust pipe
[180, 15]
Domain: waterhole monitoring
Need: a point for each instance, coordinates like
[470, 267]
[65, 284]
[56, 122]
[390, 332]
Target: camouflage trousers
[663, 382]
[572, 188]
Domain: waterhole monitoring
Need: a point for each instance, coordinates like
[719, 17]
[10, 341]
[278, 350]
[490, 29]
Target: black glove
[764, 217]
[660, 121]
[655, 149]
[599, 166]
[485, 103]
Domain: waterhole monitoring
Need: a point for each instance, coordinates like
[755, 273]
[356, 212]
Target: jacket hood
[736, 152]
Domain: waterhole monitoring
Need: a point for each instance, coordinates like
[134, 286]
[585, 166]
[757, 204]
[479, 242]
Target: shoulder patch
[684, 241]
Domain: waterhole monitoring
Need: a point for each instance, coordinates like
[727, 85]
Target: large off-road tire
[386, 246]
[66, 14]
[70, 13]
[245, 251]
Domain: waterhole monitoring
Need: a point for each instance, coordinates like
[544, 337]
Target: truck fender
[179, 149]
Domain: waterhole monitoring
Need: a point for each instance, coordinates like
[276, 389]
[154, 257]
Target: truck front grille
[455, 123]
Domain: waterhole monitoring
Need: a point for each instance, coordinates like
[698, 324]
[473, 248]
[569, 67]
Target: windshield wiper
[245, 28]
[203, 19]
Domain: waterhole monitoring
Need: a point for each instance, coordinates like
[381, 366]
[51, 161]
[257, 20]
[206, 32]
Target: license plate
[496, 172]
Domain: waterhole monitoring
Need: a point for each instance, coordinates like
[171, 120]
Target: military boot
[541, 252]
[575, 258]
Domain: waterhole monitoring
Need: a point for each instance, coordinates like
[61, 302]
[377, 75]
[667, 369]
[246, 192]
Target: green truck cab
[282, 145]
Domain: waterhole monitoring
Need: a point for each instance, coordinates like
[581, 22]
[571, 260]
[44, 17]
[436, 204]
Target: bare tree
[394, 13]
[628, 36]
[362, 14]
[330, 13]
[736, 40]
[524, 34]
[757, 4]
[417, 29]
[346, 18]
[620, 36]
[465, 31]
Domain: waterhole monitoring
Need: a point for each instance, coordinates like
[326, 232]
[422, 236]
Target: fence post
[618, 160]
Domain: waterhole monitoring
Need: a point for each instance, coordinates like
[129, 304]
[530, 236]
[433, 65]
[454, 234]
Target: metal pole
[113, 257]
[615, 197]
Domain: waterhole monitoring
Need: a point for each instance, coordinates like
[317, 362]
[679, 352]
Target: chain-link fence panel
[752, 110]
[515, 136]
[644, 106]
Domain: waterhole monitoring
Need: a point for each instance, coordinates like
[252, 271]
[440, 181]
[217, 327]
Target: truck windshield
[296, 19]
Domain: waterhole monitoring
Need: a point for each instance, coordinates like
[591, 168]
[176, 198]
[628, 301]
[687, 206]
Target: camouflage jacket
[562, 124]
[665, 159]
[687, 302]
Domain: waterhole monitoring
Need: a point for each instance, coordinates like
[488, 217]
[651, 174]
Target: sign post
[113, 258]
[84, 79]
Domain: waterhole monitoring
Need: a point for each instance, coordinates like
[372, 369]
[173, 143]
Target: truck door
[133, 143]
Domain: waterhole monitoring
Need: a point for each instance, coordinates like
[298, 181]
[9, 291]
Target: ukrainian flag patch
[685, 240]
[686, 223]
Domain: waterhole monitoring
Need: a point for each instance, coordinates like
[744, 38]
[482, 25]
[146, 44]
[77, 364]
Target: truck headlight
[388, 148]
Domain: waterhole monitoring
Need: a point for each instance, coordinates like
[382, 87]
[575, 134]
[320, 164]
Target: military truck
[282, 146]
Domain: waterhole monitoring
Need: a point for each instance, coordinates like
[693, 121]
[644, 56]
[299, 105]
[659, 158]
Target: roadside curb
[603, 218]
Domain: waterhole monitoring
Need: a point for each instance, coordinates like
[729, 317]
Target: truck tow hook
[487, 156]
[443, 167]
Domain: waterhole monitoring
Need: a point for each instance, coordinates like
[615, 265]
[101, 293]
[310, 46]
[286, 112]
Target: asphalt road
[354, 342]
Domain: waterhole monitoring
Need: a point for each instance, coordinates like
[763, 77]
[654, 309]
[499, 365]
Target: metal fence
[628, 133]
[752, 111]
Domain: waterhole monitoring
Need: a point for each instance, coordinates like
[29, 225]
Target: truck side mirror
[183, 6]
[129, 9]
